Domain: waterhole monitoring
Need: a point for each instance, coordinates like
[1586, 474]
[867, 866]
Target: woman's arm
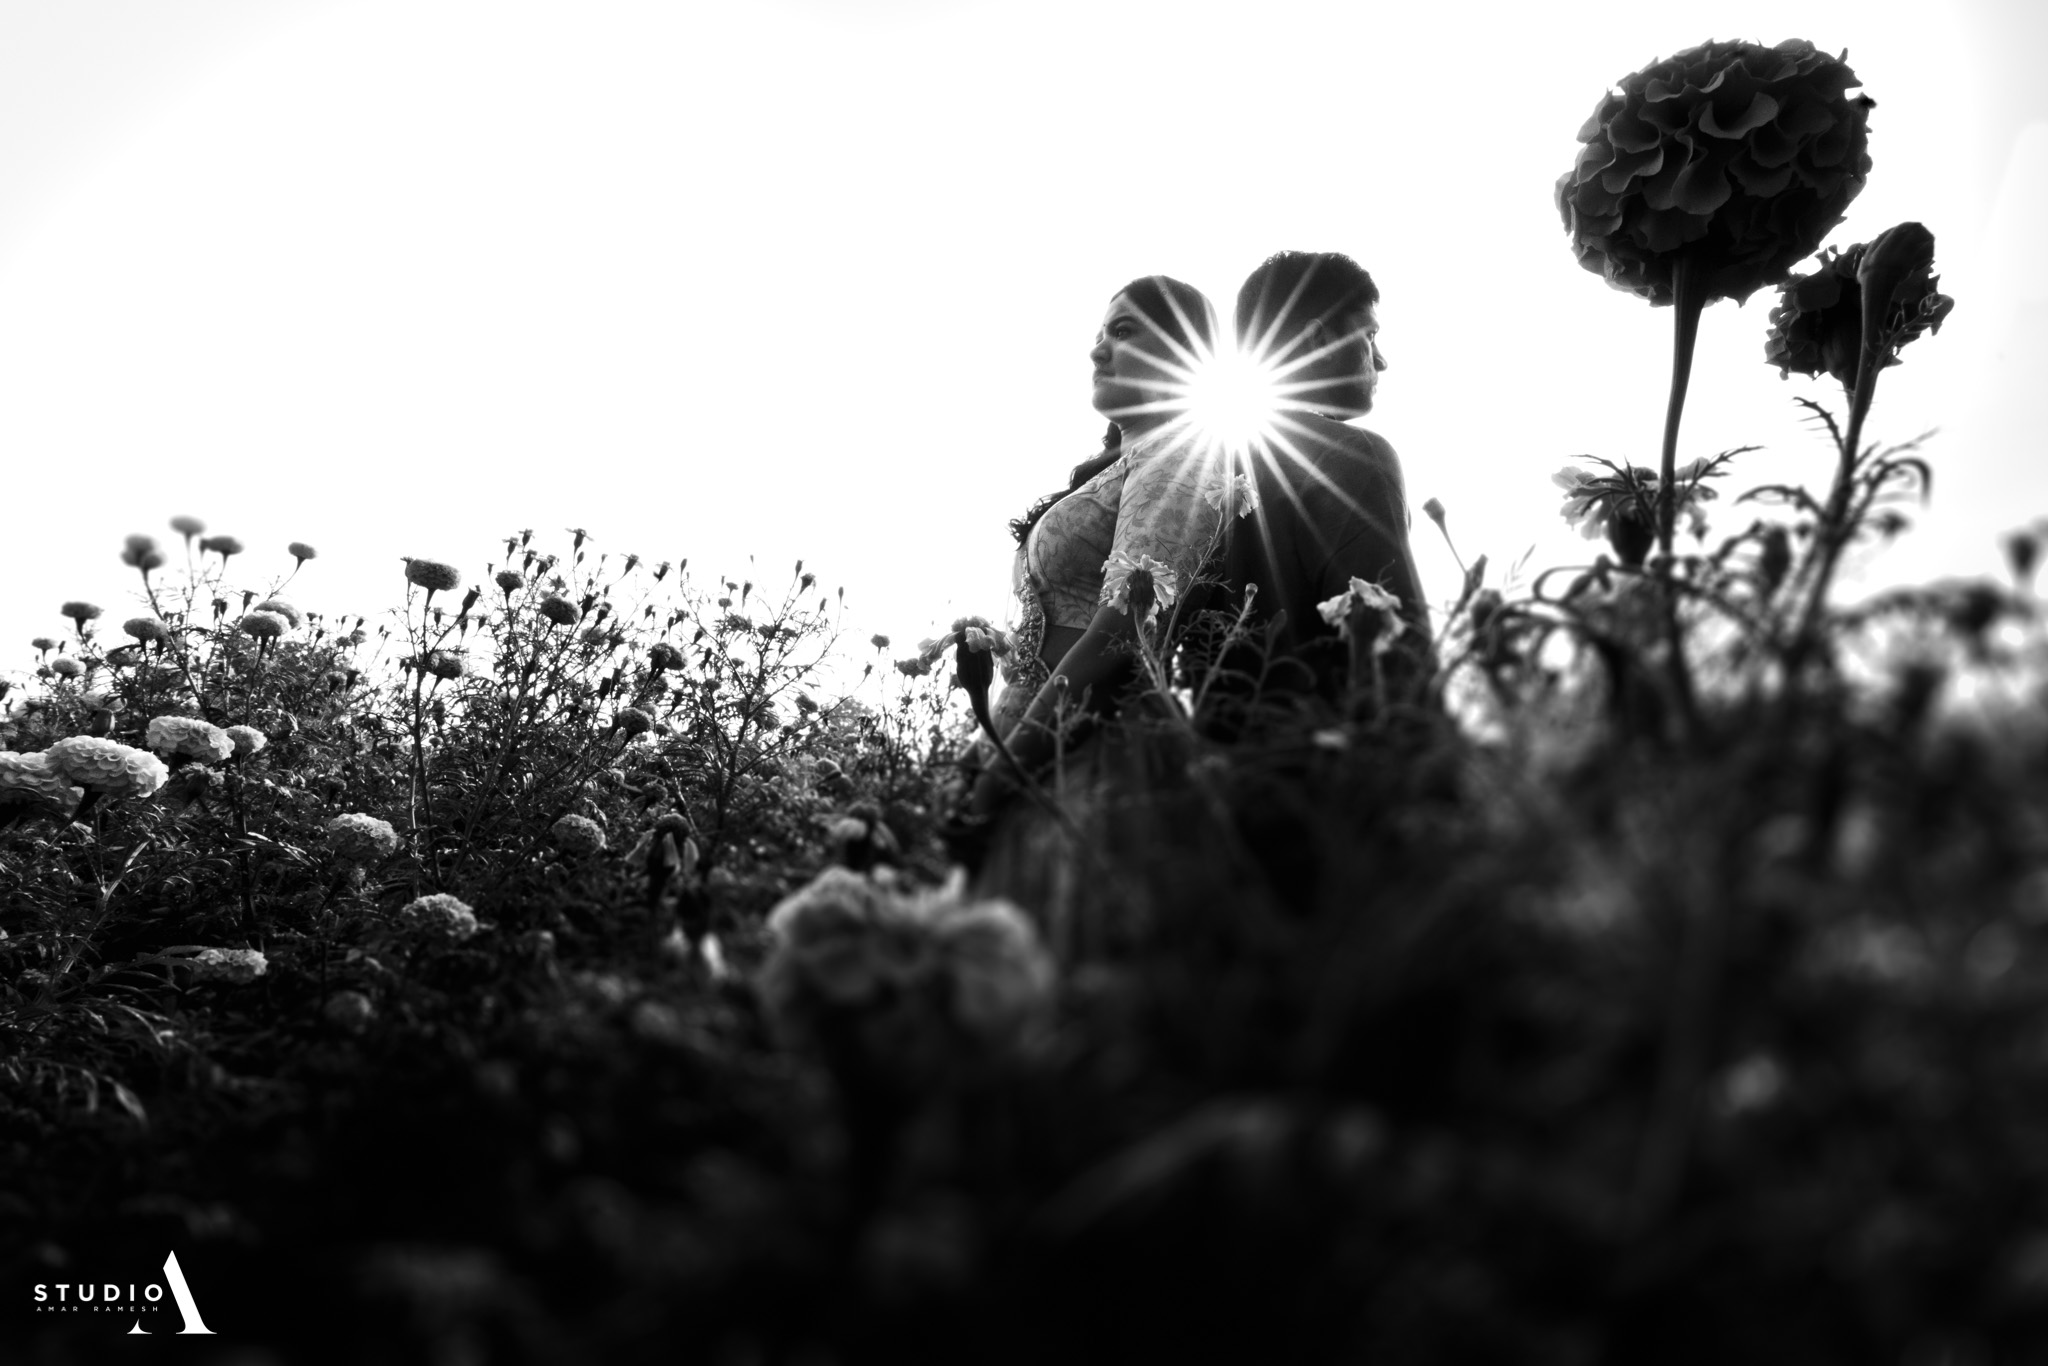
[1095, 661]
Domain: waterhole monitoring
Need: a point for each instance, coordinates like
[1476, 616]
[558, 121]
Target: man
[1330, 501]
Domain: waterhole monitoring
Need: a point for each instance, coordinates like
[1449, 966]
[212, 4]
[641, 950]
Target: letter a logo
[182, 1293]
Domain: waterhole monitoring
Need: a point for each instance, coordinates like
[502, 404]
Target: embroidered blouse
[1162, 499]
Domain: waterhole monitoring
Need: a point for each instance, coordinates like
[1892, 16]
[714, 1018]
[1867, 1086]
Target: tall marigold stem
[1687, 301]
[1834, 531]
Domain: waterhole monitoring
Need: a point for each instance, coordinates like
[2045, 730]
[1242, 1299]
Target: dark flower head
[1739, 156]
[1817, 326]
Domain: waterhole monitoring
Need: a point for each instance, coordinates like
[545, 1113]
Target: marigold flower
[66, 667]
[43, 644]
[140, 551]
[357, 838]
[972, 632]
[247, 740]
[1344, 610]
[1144, 583]
[578, 836]
[879, 641]
[842, 943]
[1621, 504]
[559, 610]
[1238, 496]
[349, 1010]
[264, 625]
[223, 546]
[662, 656]
[283, 609]
[440, 913]
[632, 721]
[32, 778]
[1736, 156]
[188, 737]
[107, 767]
[443, 663]
[1001, 975]
[80, 612]
[228, 965]
[1818, 325]
[917, 666]
[301, 552]
[146, 629]
[432, 575]
[188, 527]
[509, 581]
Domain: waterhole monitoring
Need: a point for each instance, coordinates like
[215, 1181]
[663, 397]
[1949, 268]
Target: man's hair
[1297, 288]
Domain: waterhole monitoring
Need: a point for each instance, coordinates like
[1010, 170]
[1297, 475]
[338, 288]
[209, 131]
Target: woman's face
[1133, 366]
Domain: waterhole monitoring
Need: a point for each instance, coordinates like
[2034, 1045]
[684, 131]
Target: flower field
[568, 960]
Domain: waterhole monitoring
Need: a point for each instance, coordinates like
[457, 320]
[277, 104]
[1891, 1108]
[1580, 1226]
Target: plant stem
[1832, 535]
[1686, 304]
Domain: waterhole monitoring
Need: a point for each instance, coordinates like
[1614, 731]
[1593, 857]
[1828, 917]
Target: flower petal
[1762, 109]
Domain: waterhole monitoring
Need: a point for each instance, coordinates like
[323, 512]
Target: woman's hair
[1177, 311]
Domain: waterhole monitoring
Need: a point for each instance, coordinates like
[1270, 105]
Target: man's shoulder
[1340, 440]
[1319, 453]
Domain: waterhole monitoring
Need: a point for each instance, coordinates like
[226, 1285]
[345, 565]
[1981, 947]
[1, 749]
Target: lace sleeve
[1175, 500]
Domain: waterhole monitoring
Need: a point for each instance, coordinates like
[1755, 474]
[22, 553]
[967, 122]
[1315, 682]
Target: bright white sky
[818, 279]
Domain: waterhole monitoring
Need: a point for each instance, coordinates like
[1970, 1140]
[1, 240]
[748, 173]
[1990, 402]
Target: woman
[1152, 498]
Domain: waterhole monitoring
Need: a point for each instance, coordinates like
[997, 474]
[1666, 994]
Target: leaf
[129, 1102]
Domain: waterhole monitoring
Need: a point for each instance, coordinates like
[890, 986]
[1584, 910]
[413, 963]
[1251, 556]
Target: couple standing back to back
[1321, 502]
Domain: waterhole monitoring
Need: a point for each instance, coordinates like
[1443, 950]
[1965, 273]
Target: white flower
[107, 766]
[973, 632]
[283, 609]
[265, 625]
[228, 965]
[33, 778]
[441, 913]
[1123, 576]
[188, 737]
[1338, 611]
[358, 838]
[1239, 491]
[247, 739]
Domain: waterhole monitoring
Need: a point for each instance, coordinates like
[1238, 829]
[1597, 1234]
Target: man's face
[1353, 364]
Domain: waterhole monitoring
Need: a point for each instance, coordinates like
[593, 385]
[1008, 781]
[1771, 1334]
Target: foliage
[1646, 967]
